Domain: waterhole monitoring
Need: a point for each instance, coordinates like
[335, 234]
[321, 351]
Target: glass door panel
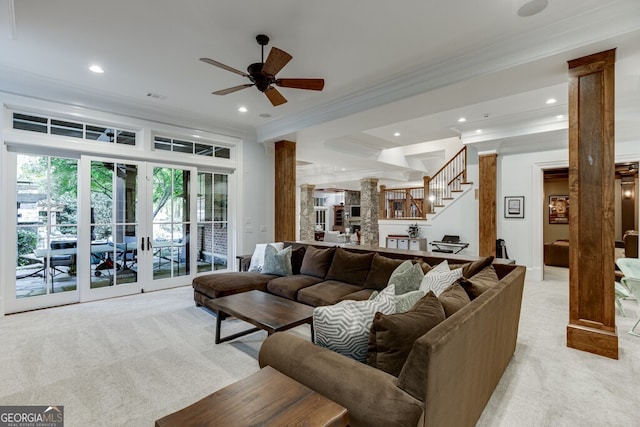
[171, 222]
[114, 224]
[212, 213]
[47, 225]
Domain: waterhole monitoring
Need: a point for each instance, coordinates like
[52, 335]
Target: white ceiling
[412, 68]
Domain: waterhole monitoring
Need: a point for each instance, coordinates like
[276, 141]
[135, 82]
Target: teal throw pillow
[277, 262]
[406, 277]
[405, 301]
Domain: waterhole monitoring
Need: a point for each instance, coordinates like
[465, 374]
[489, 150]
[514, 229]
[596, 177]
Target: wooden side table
[266, 398]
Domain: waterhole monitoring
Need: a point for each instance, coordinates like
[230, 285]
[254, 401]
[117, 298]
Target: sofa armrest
[244, 261]
[370, 395]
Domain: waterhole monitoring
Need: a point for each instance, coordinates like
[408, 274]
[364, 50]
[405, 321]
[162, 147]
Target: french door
[94, 227]
[139, 234]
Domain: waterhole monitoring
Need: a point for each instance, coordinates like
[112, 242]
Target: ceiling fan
[263, 75]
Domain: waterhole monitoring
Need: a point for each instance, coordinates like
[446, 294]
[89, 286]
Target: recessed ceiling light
[551, 101]
[265, 115]
[243, 109]
[532, 7]
[396, 134]
[559, 117]
[478, 130]
[96, 69]
[343, 169]
[462, 120]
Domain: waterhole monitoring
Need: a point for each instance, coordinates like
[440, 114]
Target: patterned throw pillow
[406, 277]
[439, 278]
[344, 327]
[277, 262]
[404, 302]
[257, 259]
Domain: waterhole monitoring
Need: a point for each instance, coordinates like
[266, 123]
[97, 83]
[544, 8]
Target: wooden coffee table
[266, 398]
[265, 311]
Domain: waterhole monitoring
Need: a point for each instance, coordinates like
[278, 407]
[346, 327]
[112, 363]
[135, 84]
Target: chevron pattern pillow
[344, 327]
[439, 279]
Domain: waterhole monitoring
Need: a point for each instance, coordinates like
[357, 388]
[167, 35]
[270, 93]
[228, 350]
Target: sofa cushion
[257, 259]
[362, 294]
[288, 287]
[325, 293]
[452, 299]
[404, 302]
[350, 267]
[406, 277]
[392, 336]
[316, 261]
[277, 262]
[344, 327]
[480, 282]
[222, 284]
[297, 255]
[380, 272]
[439, 278]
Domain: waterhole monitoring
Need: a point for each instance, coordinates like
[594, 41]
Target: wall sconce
[627, 194]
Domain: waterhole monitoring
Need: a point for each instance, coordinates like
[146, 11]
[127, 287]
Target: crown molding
[596, 26]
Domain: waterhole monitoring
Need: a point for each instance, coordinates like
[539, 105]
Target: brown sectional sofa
[451, 371]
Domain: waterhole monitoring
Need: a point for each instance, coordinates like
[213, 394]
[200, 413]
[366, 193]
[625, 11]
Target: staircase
[449, 183]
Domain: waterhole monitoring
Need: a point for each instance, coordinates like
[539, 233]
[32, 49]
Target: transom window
[87, 131]
[191, 147]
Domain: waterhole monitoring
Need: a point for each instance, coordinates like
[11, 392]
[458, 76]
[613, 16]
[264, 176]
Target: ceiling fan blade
[224, 67]
[231, 89]
[274, 96]
[276, 60]
[310, 84]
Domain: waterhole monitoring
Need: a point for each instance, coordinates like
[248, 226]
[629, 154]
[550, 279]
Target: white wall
[256, 197]
[521, 175]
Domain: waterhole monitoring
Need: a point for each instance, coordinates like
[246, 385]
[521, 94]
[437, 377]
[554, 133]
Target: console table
[266, 398]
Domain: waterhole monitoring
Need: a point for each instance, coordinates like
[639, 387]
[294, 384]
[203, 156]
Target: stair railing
[448, 180]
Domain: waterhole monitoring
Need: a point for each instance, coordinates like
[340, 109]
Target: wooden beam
[487, 204]
[285, 191]
[592, 313]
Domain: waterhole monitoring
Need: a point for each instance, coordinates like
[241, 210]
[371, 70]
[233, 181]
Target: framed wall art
[559, 209]
[514, 207]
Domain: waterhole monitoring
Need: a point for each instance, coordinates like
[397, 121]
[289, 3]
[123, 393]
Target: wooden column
[487, 204]
[591, 197]
[285, 191]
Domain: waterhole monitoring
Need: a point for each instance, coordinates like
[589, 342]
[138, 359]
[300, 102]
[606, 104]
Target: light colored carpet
[128, 361]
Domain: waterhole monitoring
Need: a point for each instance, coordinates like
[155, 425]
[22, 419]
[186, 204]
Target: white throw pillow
[344, 327]
[437, 280]
[257, 259]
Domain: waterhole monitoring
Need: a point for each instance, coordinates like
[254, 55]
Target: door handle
[142, 243]
[149, 245]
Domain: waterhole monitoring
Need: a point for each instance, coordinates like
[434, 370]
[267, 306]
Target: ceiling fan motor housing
[261, 81]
